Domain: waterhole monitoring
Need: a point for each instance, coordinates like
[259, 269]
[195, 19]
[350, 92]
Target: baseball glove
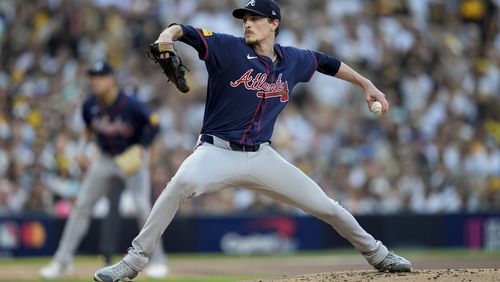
[172, 66]
[130, 161]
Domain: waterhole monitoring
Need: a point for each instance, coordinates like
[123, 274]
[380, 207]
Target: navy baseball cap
[101, 68]
[266, 8]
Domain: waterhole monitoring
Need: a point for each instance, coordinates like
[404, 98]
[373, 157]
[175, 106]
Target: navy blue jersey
[126, 122]
[245, 93]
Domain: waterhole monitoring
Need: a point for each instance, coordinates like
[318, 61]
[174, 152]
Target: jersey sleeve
[149, 121]
[312, 61]
[216, 49]
[327, 64]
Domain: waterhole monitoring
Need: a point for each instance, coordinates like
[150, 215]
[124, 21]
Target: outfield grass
[436, 254]
[41, 261]
[141, 279]
[414, 252]
[411, 252]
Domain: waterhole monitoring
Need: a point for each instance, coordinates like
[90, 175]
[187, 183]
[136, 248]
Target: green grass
[447, 253]
[412, 253]
[187, 279]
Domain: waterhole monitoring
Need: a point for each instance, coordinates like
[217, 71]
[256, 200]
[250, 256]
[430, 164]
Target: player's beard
[251, 40]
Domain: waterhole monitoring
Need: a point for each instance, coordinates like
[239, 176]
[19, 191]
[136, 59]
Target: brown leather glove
[172, 65]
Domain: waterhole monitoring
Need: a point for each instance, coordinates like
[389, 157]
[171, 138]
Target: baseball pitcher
[250, 82]
[123, 128]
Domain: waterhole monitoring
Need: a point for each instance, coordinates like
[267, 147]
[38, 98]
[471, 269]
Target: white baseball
[377, 108]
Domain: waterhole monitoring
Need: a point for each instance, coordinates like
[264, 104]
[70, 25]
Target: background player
[111, 226]
[250, 82]
[123, 128]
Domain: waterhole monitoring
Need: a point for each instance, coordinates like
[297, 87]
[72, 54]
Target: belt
[232, 145]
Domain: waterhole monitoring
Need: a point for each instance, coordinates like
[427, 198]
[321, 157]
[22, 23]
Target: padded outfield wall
[34, 235]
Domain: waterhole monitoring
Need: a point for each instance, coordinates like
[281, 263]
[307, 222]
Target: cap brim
[96, 73]
[239, 13]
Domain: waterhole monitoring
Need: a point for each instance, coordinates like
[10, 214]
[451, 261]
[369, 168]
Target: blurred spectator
[437, 151]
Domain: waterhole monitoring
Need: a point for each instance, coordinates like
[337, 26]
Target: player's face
[258, 28]
[102, 84]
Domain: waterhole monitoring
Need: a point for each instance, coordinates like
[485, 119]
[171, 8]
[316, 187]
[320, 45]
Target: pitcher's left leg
[286, 183]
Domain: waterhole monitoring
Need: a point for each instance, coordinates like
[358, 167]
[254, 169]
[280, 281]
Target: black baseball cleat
[116, 272]
[393, 263]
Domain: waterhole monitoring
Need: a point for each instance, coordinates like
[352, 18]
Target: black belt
[234, 146]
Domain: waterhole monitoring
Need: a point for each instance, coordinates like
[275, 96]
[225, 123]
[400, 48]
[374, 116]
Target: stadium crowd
[438, 61]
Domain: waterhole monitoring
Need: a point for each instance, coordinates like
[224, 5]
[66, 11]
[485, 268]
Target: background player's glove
[172, 66]
[131, 160]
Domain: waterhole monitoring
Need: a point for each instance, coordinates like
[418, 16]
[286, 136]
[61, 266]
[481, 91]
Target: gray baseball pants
[214, 167]
[100, 178]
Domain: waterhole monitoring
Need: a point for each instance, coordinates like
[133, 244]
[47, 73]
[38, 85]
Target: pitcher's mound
[480, 275]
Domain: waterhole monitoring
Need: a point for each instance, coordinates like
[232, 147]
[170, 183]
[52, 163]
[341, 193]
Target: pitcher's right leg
[140, 187]
[208, 169]
[164, 210]
[162, 213]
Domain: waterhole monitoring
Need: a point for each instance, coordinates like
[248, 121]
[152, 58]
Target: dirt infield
[480, 275]
[351, 267]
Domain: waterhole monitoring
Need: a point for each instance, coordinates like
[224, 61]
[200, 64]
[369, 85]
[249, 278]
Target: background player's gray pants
[111, 225]
[101, 177]
[211, 168]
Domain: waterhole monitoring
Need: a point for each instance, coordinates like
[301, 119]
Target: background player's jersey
[124, 123]
[241, 79]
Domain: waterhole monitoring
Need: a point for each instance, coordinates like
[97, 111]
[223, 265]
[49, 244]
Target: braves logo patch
[206, 32]
[264, 89]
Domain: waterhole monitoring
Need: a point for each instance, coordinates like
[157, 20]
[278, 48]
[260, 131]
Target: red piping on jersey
[315, 65]
[258, 105]
[264, 62]
[264, 107]
[262, 115]
[204, 42]
[251, 123]
[264, 95]
[281, 55]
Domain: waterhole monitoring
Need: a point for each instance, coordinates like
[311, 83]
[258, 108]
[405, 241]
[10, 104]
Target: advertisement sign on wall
[26, 236]
[264, 234]
[259, 235]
